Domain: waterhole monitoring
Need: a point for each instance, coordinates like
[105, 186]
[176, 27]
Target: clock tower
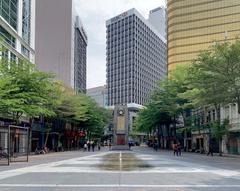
[120, 133]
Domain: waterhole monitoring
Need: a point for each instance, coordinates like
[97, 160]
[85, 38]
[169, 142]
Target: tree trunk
[158, 135]
[220, 147]
[185, 132]
[218, 110]
[45, 144]
[162, 136]
[168, 132]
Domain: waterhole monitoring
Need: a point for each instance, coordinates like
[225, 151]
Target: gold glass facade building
[194, 25]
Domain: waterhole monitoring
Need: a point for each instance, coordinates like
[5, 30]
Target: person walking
[175, 151]
[155, 145]
[210, 151]
[93, 146]
[85, 146]
[179, 149]
[129, 145]
[99, 146]
[88, 145]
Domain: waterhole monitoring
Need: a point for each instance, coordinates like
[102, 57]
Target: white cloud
[94, 14]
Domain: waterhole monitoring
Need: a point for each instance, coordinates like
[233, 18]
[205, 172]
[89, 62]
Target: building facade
[195, 25]
[61, 42]
[17, 29]
[231, 142]
[157, 17]
[80, 56]
[136, 58]
[99, 94]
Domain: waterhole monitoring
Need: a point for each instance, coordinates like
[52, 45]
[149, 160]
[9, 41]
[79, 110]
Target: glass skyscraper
[194, 25]
[136, 58]
[17, 29]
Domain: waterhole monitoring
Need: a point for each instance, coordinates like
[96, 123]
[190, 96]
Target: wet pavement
[122, 162]
[139, 170]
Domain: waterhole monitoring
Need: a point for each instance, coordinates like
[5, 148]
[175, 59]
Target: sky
[93, 14]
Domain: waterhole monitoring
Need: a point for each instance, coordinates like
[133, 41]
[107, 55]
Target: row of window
[7, 37]
[26, 15]
[9, 11]
[138, 23]
[11, 41]
[79, 61]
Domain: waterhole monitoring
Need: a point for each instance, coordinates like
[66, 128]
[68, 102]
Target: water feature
[122, 161]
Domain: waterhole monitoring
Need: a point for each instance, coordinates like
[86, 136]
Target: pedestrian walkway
[133, 170]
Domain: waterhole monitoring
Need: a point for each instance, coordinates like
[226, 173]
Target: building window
[7, 37]
[4, 53]
[13, 57]
[26, 15]
[80, 52]
[25, 51]
[9, 11]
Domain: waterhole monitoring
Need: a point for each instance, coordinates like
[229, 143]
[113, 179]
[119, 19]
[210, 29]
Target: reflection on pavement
[122, 162]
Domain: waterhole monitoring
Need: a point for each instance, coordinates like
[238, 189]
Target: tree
[215, 75]
[161, 111]
[218, 131]
[26, 91]
[214, 79]
[83, 112]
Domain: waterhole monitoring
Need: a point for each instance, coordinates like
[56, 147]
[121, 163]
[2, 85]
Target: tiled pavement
[126, 170]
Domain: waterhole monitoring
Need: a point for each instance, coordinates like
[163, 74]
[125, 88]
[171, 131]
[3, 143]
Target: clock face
[121, 112]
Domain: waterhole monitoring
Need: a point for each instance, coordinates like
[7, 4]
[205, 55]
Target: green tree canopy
[25, 90]
[84, 112]
[214, 75]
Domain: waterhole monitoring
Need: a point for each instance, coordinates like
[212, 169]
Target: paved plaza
[138, 170]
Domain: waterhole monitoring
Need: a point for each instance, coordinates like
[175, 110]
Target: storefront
[233, 144]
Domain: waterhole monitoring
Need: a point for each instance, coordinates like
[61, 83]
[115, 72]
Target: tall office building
[136, 58]
[99, 94]
[61, 42]
[157, 17]
[17, 29]
[195, 25]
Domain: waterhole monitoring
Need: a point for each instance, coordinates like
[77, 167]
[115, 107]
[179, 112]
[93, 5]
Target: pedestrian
[93, 146]
[129, 144]
[179, 149]
[99, 146]
[155, 146]
[59, 146]
[85, 146]
[210, 151]
[88, 145]
[109, 145]
[175, 151]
